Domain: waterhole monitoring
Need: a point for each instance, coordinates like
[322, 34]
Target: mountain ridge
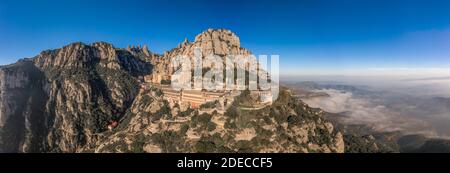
[72, 95]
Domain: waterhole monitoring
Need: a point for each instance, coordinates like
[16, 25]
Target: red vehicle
[112, 125]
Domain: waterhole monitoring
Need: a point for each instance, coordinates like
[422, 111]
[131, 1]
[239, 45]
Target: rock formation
[64, 100]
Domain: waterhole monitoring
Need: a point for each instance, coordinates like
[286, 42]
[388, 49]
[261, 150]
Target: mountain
[286, 126]
[61, 99]
[220, 42]
[91, 98]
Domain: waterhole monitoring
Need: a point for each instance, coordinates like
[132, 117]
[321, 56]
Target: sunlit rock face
[63, 99]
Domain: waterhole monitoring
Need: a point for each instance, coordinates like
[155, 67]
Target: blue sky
[311, 36]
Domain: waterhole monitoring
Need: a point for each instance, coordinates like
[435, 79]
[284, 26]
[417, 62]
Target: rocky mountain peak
[136, 50]
[218, 35]
[219, 42]
[80, 55]
[73, 55]
[105, 51]
[183, 44]
[103, 45]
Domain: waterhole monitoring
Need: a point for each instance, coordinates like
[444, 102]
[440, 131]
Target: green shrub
[209, 105]
[232, 112]
[205, 147]
[204, 118]
[229, 125]
[211, 126]
[184, 128]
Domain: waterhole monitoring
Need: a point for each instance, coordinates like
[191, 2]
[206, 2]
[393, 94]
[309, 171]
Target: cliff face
[22, 95]
[218, 42]
[63, 100]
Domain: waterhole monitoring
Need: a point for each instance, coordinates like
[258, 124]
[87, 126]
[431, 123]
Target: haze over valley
[412, 106]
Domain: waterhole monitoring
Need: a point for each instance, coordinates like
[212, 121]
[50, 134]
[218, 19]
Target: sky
[322, 37]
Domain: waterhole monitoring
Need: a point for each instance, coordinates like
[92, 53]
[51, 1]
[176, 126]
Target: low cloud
[369, 112]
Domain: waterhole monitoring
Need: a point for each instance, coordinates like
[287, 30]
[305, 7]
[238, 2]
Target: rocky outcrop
[63, 99]
[79, 55]
[212, 42]
[218, 42]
